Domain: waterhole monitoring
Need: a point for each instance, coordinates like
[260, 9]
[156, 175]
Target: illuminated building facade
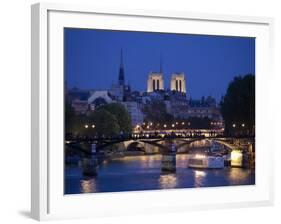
[134, 109]
[178, 82]
[155, 82]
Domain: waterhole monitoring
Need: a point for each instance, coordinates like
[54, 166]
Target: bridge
[156, 143]
[168, 146]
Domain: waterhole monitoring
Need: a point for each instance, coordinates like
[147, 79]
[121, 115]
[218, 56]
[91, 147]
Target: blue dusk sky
[92, 59]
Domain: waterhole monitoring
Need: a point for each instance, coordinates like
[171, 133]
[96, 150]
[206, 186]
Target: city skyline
[92, 59]
[157, 138]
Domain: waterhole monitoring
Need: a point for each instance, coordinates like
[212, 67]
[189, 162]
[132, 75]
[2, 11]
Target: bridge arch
[149, 146]
[187, 142]
[229, 146]
[135, 146]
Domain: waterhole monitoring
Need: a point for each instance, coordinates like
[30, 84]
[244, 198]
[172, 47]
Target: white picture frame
[48, 201]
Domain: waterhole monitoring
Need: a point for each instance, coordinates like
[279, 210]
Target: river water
[133, 173]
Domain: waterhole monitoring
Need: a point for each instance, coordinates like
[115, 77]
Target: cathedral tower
[155, 82]
[178, 82]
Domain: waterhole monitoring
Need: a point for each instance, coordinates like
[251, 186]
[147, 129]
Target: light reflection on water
[199, 177]
[150, 161]
[168, 181]
[88, 186]
[144, 173]
[182, 160]
[236, 176]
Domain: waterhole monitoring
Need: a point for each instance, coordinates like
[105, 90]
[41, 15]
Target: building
[155, 82]
[176, 101]
[158, 95]
[117, 92]
[178, 82]
[78, 99]
[178, 106]
[134, 109]
[120, 91]
[121, 76]
[99, 98]
[206, 108]
[80, 106]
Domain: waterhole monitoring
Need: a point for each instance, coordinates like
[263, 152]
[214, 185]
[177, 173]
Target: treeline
[238, 106]
[111, 119]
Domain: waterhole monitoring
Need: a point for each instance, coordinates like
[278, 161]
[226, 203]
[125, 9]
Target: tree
[104, 123]
[70, 118]
[121, 114]
[108, 120]
[156, 112]
[238, 105]
[68, 114]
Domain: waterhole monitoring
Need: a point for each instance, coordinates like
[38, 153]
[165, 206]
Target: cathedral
[174, 96]
[155, 82]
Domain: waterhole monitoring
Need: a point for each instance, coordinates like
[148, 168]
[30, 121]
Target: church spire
[121, 77]
[121, 56]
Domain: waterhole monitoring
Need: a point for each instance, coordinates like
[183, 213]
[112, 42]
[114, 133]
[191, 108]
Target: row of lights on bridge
[173, 125]
[216, 123]
[89, 126]
[242, 125]
[149, 124]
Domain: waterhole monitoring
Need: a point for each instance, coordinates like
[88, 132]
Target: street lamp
[243, 125]
[234, 125]
[165, 125]
[93, 126]
[182, 123]
[173, 125]
[86, 126]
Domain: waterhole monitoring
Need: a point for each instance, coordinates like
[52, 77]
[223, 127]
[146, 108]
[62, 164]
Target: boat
[205, 161]
[215, 147]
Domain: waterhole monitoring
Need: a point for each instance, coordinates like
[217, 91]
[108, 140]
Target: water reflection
[144, 173]
[182, 161]
[237, 177]
[199, 177]
[144, 162]
[150, 161]
[88, 186]
[168, 181]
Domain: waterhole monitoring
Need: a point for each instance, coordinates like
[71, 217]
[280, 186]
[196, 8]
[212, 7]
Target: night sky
[92, 59]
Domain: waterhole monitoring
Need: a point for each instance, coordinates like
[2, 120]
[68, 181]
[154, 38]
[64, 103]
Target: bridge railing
[151, 136]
